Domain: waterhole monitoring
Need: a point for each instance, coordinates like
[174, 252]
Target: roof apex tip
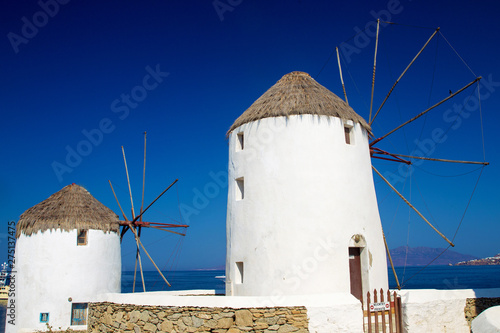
[294, 73]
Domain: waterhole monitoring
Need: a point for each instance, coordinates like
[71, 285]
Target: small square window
[348, 134]
[44, 317]
[240, 188]
[82, 237]
[240, 141]
[79, 313]
[239, 272]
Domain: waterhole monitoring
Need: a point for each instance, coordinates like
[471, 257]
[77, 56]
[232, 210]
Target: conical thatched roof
[294, 94]
[73, 207]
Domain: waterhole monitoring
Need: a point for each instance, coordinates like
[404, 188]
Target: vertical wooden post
[376, 313]
[397, 303]
[383, 311]
[368, 312]
[400, 313]
[391, 311]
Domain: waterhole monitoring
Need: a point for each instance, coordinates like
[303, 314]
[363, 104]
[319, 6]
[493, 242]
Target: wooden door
[355, 272]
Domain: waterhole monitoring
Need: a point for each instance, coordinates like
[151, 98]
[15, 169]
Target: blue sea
[432, 277]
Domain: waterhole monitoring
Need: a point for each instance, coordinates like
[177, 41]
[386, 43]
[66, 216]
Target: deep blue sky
[72, 74]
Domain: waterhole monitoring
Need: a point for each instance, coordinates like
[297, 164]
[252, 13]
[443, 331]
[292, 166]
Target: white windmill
[67, 252]
[302, 214]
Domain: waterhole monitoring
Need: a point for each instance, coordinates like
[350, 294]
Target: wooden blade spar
[143, 176]
[441, 159]
[390, 260]
[158, 197]
[128, 182]
[145, 251]
[125, 225]
[118, 202]
[341, 77]
[402, 74]
[138, 258]
[138, 254]
[412, 207]
[374, 68]
[425, 111]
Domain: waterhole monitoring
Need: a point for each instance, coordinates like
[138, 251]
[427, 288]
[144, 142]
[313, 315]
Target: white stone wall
[433, 311]
[51, 268]
[306, 194]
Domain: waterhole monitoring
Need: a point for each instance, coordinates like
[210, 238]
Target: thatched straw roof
[298, 93]
[73, 207]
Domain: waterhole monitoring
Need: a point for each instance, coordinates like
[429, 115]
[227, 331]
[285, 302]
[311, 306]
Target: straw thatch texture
[73, 207]
[298, 93]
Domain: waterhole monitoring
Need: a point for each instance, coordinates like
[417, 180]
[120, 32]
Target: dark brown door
[355, 272]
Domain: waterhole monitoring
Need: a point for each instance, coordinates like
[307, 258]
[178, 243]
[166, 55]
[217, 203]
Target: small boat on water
[4, 286]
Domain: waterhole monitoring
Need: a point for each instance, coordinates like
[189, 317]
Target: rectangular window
[238, 279]
[82, 237]
[240, 188]
[348, 134]
[79, 313]
[44, 317]
[240, 141]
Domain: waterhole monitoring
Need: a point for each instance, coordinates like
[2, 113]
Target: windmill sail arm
[441, 159]
[128, 182]
[394, 157]
[149, 224]
[374, 69]
[118, 202]
[158, 197]
[402, 74]
[390, 260]
[174, 232]
[145, 251]
[411, 206]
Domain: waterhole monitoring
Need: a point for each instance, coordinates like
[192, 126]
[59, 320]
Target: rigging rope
[426, 206]
[408, 231]
[458, 55]
[468, 203]
[449, 176]
[409, 25]
[354, 82]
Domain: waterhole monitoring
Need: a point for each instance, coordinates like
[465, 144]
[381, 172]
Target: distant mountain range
[421, 256]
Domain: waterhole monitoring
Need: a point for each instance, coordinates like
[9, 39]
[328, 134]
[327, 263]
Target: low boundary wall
[196, 311]
[430, 310]
[427, 310]
[111, 317]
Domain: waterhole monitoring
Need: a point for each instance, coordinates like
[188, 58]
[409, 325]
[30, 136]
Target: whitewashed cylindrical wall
[299, 197]
[50, 269]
